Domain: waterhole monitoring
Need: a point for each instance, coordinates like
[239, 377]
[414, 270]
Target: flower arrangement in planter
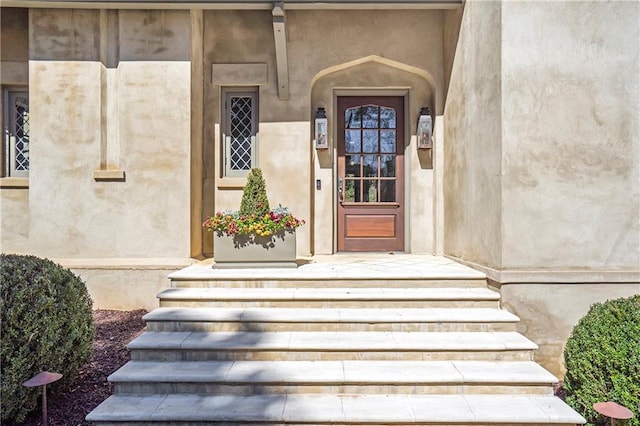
[271, 223]
[255, 235]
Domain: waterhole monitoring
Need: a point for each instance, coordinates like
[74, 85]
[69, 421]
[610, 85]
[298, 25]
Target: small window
[16, 133]
[240, 111]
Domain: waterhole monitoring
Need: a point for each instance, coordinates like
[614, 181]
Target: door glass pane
[370, 117]
[387, 191]
[370, 166]
[370, 141]
[388, 165]
[352, 165]
[352, 141]
[388, 141]
[371, 148]
[370, 193]
[351, 190]
[387, 118]
[352, 118]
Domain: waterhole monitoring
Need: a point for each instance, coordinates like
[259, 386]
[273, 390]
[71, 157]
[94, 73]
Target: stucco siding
[547, 317]
[413, 38]
[144, 216]
[571, 137]
[65, 144]
[69, 34]
[15, 35]
[155, 134]
[14, 211]
[542, 137]
[90, 115]
[154, 35]
[473, 140]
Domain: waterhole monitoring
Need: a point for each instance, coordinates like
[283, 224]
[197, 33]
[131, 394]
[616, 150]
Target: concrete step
[339, 271]
[333, 377]
[331, 319]
[312, 346]
[374, 340]
[319, 282]
[331, 297]
[186, 409]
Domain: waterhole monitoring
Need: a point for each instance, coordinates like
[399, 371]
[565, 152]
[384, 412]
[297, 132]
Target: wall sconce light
[425, 129]
[321, 135]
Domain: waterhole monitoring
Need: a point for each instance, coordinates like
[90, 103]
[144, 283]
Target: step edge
[539, 402]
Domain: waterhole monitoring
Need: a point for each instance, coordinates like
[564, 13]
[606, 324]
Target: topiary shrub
[254, 196]
[47, 325]
[255, 218]
[602, 357]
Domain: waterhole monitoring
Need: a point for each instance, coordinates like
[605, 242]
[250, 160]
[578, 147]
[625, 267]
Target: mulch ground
[70, 404]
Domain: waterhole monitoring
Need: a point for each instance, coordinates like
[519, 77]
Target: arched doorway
[359, 207]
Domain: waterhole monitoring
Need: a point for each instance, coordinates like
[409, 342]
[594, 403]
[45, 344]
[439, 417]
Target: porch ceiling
[235, 4]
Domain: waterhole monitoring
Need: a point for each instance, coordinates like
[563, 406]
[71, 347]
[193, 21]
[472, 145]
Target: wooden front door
[370, 173]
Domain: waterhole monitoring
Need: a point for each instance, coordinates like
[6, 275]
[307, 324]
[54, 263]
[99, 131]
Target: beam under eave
[230, 4]
[280, 37]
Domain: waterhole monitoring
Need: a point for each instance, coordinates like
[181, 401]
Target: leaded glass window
[16, 133]
[241, 123]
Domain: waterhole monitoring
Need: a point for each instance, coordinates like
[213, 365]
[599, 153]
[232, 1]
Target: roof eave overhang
[238, 4]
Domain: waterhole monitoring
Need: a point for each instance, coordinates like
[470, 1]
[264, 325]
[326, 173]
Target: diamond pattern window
[241, 124]
[16, 133]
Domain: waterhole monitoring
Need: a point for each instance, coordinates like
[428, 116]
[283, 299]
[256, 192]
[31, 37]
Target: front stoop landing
[397, 343]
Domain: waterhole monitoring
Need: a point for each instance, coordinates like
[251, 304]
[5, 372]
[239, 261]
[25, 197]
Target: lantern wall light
[424, 131]
[321, 132]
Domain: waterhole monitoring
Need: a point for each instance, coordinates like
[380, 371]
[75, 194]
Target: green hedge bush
[602, 357]
[47, 325]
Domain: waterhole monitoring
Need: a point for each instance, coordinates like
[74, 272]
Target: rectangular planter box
[243, 251]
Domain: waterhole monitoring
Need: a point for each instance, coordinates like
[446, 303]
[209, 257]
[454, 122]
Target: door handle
[340, 197]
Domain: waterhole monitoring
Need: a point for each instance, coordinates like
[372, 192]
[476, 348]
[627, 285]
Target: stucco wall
[147, 214]
[473, 140]
[64, 34]
[548, 313]
[451, 32]
[88, 115]
[542, 162]
[571, 137]
[15, 35]
[409, 37]
[14, 213]
[154, 35]
[123, 284]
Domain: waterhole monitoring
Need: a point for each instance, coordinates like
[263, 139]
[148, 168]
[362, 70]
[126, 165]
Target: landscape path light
[613, 410]
[43, 379]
